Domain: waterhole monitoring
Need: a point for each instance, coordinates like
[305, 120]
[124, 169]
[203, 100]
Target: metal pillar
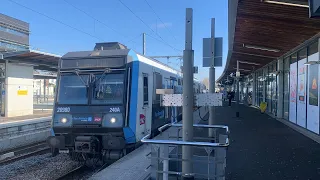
[44, 90]
[6, 97]
[144, 43]
[212, 80]
[187, 110]
[280, 89]
[237, 92]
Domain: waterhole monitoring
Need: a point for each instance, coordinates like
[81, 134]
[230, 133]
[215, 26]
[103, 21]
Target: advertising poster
[313, 95]
[293, 93]
[313, 85]
[301, 102]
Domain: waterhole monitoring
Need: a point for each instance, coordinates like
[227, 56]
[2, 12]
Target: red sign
[142, 119]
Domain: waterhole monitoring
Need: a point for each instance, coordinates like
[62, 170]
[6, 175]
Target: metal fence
[41, 102]
[209, 154]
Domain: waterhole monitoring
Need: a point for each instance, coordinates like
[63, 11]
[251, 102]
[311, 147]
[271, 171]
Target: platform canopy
[261, 31]
[40, 60]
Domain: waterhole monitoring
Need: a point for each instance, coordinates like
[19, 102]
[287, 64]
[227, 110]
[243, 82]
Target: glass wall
[274, 89]
[260, 87]
[301, 79]
[13, 31]
[286, 76]
[269, 87]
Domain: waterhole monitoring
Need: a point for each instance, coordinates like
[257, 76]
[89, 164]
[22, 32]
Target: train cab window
[145, 90]
[108, 89]
[73, 89]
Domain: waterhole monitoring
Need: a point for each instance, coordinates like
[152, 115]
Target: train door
[168, 112]
[146, 111]
[158, 112]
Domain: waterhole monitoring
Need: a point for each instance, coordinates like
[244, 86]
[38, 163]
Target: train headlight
[64, 120]
[113, 120]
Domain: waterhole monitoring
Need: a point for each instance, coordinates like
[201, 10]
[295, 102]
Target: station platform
[261, 147]
[36, 115]
[264, 148]
[135, 165]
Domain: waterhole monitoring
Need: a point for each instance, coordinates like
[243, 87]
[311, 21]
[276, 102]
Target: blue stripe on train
[130, 132]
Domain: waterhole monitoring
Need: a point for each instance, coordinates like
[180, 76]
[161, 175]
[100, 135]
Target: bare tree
[205, 81]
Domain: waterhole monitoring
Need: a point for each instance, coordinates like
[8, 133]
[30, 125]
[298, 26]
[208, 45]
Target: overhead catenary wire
[164, 43]
[146, 25]
[42, 14]
[92, 17]
[160, 19]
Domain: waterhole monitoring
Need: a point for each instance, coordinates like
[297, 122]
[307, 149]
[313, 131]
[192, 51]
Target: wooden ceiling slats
[269, 25]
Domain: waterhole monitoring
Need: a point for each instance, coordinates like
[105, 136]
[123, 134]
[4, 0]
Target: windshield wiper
[107, 70]
[76, 71]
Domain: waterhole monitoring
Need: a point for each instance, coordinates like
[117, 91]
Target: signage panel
[314, 8]
[313, 95]
[301, 99]
[207, 52]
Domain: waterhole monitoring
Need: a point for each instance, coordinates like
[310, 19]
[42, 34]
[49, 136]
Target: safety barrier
[209, 154]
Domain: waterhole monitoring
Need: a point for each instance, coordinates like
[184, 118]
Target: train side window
[145, 90]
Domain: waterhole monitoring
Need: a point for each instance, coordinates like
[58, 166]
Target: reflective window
[294, 58]
[108, 89]
[260, 91]
[313, 48]
[274, 88]
[13, 46]
[145, 90]
[73, 89]
[302, 54]
[286, 92]
[12, 31]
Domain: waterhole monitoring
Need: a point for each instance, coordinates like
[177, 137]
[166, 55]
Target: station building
[276, 44]
[18, 63]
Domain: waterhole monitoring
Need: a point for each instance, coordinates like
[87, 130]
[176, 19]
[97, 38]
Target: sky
[61, 26]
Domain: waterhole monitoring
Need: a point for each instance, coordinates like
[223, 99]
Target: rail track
[81, 172]
[23, 152]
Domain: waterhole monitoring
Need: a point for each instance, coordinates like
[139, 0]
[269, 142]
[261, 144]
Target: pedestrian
[229, 97]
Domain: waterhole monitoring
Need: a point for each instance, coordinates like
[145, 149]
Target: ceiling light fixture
[251, 63]
[287, 3]
[242, 69]
[260, 48]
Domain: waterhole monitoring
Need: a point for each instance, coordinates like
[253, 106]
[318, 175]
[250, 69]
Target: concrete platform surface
[263, 148]
[36, 114]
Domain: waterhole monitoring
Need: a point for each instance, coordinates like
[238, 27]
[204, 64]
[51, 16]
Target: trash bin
[263, 107]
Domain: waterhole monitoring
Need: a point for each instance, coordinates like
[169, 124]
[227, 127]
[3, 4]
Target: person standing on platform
[229, 97]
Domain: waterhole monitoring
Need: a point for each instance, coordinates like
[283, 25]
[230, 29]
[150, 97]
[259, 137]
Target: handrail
[204, 126]
[146, 139]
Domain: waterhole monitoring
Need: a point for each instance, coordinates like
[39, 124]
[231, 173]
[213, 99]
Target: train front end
[90, 105]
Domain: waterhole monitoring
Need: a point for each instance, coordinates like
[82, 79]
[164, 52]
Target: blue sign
[87, 119]
[3, 92]
[314, 8]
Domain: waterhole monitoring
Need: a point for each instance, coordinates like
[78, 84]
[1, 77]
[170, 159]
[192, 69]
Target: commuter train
[106, 101]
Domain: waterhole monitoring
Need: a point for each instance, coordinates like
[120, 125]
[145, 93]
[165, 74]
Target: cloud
[162, 25]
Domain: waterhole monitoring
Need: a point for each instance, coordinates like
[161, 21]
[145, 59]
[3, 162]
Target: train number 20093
[63, 109]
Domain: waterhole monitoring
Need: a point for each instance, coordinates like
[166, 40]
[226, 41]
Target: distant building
[14, 34]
